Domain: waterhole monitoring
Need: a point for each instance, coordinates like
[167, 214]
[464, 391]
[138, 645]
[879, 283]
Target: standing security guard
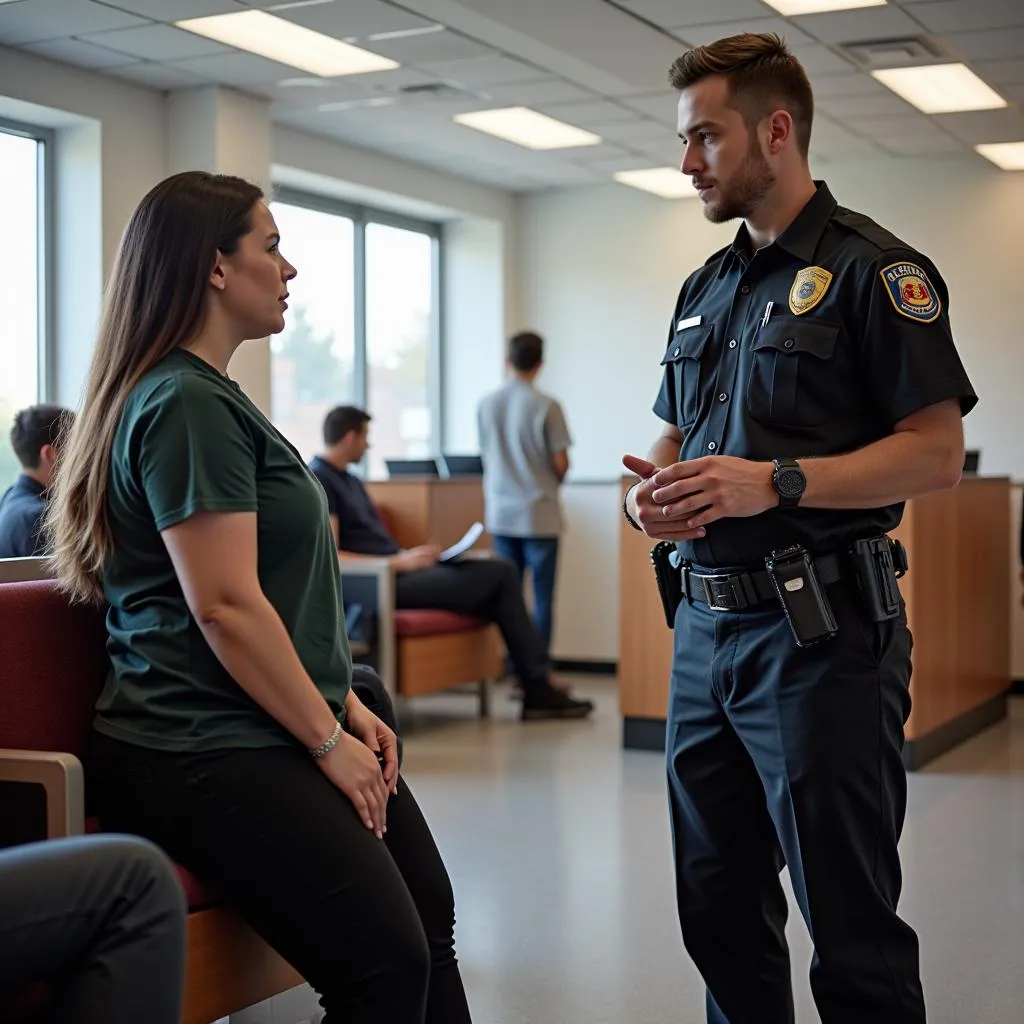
[811, 386]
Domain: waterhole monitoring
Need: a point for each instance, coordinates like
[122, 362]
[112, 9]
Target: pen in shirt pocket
[767, 313]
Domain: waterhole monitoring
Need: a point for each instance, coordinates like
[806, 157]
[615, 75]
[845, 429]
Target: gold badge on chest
[809, 288]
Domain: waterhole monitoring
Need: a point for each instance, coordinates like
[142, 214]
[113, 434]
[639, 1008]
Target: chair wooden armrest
[61, 777]
[380, 573]
[21, 570]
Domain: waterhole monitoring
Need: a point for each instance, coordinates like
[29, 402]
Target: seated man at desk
[487, 588]
[34, 438]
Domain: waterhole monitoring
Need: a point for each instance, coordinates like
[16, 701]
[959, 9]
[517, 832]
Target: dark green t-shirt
[188, 441]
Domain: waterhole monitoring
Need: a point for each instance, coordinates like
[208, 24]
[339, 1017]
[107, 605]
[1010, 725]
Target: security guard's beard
[752, 181]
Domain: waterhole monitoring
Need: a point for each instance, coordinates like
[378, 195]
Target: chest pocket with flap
[682, 359]
[792, 374]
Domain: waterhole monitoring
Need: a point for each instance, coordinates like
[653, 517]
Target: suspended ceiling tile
[237, 69]
[907, 126]
[662, 106]
[159, 76]
[624, 163]
[1000, 72]
[157, 42]
[593, 112]
[638, 132]
[535, 94]
[993, 45]
[886, 103]
[310, 91]
[348, 19]
[673, 13]
[485, 71]
[701, 35]
[178, 10]
[985, 125]
[937, 145]
[35, 20]
[883, 22]
[425, 49]
[968, 15]
[820, 60]
[84, 55]
[853, 83]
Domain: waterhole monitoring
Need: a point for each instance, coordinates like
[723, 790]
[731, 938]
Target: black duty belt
[732, 592]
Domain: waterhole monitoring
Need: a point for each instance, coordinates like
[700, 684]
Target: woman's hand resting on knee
[352, 766]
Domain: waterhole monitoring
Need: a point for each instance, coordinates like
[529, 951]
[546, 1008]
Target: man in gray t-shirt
[524, 444]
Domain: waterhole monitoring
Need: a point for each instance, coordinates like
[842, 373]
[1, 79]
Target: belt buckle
[736, 599]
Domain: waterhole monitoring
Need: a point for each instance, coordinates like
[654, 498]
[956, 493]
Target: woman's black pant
[368, 923]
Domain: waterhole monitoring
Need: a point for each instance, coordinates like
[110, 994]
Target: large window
[361, 327]
[22, 163]
[399, 329]
[313, 358]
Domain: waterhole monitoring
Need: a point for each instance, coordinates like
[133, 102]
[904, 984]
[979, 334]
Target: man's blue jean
[540, 556]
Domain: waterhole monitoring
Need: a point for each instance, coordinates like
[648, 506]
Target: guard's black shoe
[546, 702]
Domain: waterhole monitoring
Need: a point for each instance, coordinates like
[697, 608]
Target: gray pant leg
[102, 920]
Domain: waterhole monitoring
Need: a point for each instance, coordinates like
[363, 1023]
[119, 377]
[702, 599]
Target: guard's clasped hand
[679, 501]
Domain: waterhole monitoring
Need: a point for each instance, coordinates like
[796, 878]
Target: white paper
[460, 547]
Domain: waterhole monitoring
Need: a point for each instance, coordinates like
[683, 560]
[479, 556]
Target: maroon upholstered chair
[53, 664]
[423, 651]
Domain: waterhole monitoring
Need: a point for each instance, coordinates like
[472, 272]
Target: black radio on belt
[802, 595]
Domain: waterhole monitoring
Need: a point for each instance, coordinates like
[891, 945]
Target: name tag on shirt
[690, 321]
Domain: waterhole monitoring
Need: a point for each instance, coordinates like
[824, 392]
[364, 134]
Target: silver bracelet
[328, 745]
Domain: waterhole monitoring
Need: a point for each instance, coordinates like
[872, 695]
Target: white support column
[219, 130]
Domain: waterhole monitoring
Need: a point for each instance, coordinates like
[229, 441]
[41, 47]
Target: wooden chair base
[229, 967]
[428, 664]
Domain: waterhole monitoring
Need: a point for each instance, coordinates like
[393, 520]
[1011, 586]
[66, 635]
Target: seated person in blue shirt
[488, 588]
[34, 438]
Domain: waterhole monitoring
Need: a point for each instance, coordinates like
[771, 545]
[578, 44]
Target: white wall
[473, 272]
[600, 268]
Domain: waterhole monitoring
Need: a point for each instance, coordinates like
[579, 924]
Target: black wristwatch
[789, 482]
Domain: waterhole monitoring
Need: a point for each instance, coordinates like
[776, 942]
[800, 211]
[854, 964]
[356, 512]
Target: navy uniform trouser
[781, 755]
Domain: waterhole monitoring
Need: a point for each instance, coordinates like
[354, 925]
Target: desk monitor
[412, 467]
[462, 465]
[971, 459]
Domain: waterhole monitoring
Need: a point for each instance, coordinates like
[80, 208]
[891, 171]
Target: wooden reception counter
[957, 595]
[424, 509]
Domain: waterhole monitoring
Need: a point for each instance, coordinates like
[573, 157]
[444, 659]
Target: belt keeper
[685, 577]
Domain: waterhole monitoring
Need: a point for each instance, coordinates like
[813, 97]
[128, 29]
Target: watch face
[790, 483]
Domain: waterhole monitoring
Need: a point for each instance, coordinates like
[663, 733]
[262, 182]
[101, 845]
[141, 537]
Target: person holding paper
[488, 588]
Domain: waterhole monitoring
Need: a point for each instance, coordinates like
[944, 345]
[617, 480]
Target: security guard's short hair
[36, 427]
[525, 351]
[763, 76]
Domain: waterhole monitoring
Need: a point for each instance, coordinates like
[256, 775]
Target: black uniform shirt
[815, 345]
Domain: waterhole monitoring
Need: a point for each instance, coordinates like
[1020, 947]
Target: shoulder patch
[911, 292]
[809, 287]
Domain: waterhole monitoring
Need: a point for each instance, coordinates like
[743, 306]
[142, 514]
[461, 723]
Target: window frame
[46, 363]
[361, 216]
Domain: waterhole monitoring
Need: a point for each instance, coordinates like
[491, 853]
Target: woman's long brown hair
[154, 302]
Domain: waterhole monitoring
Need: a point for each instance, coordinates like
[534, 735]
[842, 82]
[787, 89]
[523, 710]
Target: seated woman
[228, 732]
